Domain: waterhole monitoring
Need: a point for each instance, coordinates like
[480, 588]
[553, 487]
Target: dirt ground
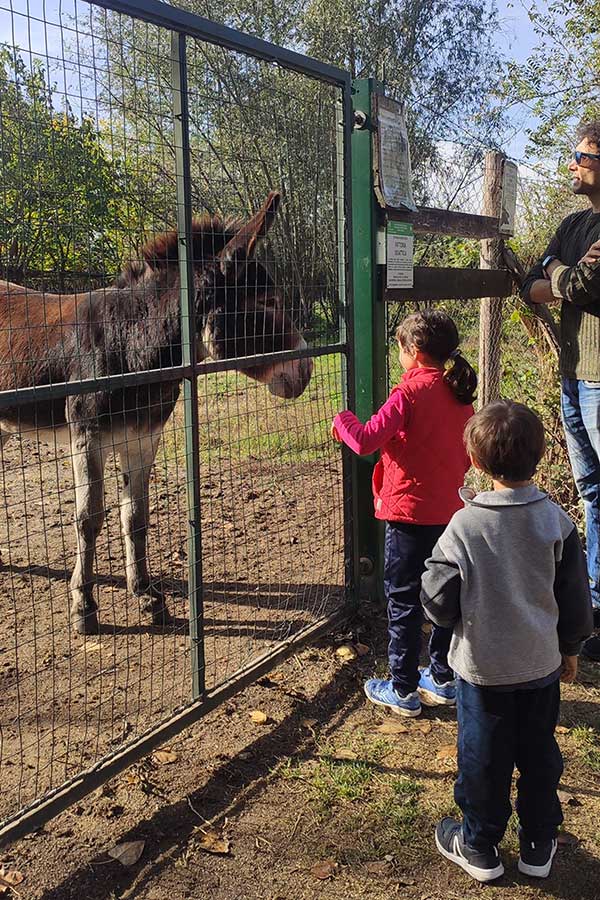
[272, 554]
[320, 801]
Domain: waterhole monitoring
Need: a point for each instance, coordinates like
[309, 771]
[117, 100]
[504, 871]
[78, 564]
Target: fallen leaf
[213, 841]
[346, 653]
[423, 727]
[128, 853]
[562, 729]
[448, 751]
[380, 867]
[567, 798]
[344, 754]
[8, 879]
[567, 839]
[362, 649]
[164, 757]
[309, 723]
[91, 646]
[324, 869]
[392, 728]
[259, 717]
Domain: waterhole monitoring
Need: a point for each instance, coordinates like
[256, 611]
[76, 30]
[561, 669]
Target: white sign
[509, 198]
[400, 244]
[394, 175]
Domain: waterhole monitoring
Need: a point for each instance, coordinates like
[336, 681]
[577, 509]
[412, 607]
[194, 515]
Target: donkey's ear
[241, 247]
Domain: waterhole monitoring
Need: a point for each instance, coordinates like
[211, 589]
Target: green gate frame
[359, 386]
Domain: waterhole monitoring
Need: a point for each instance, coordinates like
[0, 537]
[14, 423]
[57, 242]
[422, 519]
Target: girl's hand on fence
[593, 254]
[568, 669]
[334, 434]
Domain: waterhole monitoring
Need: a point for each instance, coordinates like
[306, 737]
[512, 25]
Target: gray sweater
[509, 576]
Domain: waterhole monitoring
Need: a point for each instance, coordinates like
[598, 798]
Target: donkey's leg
[88, 470]
[136, 458]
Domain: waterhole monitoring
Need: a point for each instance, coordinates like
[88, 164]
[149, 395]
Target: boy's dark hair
[589, 131]
[506, 439]
[434, 333]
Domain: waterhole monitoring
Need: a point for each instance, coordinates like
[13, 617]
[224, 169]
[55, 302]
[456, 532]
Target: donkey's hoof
[85, 623]
[161, 616]
[159, 612]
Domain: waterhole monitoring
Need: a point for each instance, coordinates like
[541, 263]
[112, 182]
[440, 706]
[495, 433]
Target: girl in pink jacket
[419, 430]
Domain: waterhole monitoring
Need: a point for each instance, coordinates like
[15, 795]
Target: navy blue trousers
[498, 730]
[406, 549]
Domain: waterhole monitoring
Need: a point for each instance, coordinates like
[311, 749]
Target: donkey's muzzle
[289, 379]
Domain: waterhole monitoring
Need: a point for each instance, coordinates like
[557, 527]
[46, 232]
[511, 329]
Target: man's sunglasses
[578, 155]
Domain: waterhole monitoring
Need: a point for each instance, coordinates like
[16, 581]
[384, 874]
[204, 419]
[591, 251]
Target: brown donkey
[132, 326]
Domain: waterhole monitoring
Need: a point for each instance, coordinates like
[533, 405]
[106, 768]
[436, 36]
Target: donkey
[135, 325]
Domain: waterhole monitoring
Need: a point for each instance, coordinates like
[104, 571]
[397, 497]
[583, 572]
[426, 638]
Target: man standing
[570, 271]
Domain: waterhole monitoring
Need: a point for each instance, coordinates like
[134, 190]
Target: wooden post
[490, 326]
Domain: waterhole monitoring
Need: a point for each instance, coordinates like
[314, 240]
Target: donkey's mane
[209, 235]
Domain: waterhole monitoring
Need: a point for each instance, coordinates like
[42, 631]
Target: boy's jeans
[580, 406]
[406, 549]
[497, 730]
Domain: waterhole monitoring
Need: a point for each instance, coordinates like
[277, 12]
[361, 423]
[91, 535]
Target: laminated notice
[399, 247]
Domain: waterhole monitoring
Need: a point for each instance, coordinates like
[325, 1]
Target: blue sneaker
[483, 865]
[383, 694]
[434, 693]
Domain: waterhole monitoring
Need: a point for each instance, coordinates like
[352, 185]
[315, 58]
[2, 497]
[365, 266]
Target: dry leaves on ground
[423, 727]
[259, 717]
[344, 754]
[567, 798]
[392, 728]
[128, 853]
[9, 878]
[212, 840]
[346, 653]
[562, 729]
[324, 869]
[164, 757]
[448, 751]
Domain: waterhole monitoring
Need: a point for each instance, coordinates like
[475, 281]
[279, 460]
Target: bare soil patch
[320, 801]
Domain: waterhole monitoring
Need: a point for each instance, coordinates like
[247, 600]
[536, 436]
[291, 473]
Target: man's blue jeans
[407, 547]
[498, 730]
[580, 406]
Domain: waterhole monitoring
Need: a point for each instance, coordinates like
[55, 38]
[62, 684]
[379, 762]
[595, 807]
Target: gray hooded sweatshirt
[509, 576]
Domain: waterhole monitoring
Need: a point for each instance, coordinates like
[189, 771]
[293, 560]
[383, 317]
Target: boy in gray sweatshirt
[509, 576]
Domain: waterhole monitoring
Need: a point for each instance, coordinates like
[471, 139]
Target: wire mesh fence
[104, 631]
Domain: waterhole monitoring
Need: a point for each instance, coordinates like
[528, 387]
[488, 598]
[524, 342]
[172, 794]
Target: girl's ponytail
[461, 378]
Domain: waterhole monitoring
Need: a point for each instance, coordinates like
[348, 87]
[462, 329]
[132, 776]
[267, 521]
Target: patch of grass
[338, 780]
[399, 811]
[586, 741]
[238, 417]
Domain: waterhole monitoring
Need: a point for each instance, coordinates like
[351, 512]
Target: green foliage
[559, 81]
[63, 209]
[588, 746]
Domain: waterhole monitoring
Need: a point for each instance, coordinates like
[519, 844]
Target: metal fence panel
[117, 121]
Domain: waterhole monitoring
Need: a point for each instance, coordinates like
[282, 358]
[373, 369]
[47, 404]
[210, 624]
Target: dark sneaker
[437, 694]
[383, 694]
[481, 865]
[591, 648]
[536, 857]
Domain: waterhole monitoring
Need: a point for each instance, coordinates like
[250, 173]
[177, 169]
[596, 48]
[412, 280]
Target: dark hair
[506, 439]
[434, 333]
[589, 131]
